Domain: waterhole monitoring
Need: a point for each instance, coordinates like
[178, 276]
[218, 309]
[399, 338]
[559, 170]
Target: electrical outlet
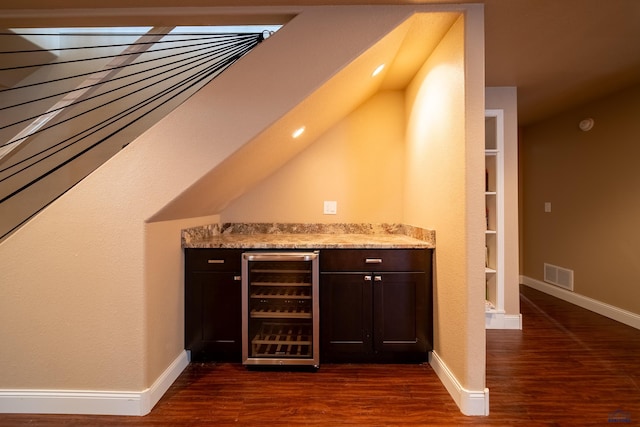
[330, 207]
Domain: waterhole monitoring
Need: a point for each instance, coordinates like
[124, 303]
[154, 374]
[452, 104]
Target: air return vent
[558, 276]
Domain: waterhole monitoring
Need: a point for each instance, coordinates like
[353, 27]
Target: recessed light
[378, 70]
[298, 132]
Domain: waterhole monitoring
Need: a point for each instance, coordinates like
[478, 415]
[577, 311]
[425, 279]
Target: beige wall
[444, 192]
[357, 163]
[91, 295]
[164, 297]
[592, 181]
[90, 291]
[81, 291]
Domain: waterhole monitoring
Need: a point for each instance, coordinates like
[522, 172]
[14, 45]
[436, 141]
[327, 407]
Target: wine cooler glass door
[280, 308]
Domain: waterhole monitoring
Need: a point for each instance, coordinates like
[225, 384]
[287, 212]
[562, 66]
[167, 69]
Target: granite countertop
[307, 236]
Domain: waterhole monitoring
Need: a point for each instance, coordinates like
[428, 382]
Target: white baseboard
[160, 386]
[497, 320]
[92, 402]
[607, 310]
[470, 402]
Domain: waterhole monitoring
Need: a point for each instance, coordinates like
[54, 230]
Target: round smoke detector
[586, 124]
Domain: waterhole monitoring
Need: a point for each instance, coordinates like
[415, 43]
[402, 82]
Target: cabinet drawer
[197, 259]
[375, 260]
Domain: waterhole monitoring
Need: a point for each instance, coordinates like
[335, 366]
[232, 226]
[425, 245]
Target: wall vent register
[562, 277]
[280, 308]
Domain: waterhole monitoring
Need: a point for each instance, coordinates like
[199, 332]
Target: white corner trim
[92, 402]
[607, 310]
[160, 386]
[470, 402]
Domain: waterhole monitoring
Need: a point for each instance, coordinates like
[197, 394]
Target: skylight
[143, 30]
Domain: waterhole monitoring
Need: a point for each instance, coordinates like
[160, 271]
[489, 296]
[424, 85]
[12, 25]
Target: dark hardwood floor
[568, 366]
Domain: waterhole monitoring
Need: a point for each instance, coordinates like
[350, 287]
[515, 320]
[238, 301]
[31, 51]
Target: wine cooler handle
[285, 256]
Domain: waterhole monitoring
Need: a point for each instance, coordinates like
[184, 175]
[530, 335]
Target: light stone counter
[307, 236]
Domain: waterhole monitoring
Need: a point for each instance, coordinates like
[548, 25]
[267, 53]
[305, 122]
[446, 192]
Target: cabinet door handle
[237, 278]
[373, 261]
[367, 278]
[377, 278]
[215, 261]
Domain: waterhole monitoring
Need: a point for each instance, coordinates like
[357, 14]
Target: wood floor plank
[567, 366]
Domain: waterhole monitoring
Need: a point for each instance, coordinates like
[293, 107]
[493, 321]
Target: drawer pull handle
[215, 261]
[373, 261]
[367, 278]
[377, 278]
[237, 278]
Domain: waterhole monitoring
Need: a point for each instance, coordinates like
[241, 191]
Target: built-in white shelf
[494, 204]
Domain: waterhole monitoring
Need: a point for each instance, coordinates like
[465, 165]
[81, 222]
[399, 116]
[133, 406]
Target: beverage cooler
[280, 308]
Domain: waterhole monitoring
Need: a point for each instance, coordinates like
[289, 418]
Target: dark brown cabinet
[375, 305]
[213, 304]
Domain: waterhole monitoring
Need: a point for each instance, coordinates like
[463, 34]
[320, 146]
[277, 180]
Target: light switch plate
[547, 206]
[330, 207]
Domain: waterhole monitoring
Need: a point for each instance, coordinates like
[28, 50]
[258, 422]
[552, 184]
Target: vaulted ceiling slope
[334, 77]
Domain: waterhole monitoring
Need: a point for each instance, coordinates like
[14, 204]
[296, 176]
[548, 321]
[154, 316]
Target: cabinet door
[346, 316]
[213, 316]
[401, 313]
